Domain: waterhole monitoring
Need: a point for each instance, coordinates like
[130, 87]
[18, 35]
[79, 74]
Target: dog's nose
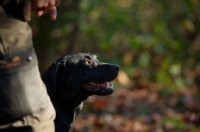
[115, 68]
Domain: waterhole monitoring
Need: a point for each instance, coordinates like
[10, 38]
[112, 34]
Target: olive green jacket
[21, 90]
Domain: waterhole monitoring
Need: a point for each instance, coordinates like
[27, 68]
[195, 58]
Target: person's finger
[53, 13]
[54, 2]
[39, 4]
[42, 11]
[39, 13]
[42, 3]
[57, 2]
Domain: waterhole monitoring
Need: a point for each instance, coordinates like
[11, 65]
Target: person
[24, 103]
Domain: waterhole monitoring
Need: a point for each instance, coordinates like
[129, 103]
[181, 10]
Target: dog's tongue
[105, 85]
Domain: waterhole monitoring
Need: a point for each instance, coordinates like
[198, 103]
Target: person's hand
[42, 7]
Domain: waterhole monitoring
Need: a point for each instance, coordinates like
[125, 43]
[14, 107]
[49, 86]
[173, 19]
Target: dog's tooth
[111, 86]
[108, 85]
[95, 84]
[92, 83]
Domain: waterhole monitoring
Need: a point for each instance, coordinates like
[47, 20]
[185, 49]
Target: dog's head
[80, 73]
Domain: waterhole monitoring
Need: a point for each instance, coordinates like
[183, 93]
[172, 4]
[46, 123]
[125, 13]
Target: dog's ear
[53, 76]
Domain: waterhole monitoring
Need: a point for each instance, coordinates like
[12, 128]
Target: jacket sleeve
[19, 9]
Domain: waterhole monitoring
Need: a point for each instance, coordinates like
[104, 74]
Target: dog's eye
[88, 62]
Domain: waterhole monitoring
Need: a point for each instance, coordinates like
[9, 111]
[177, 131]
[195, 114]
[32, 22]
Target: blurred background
[157, 45]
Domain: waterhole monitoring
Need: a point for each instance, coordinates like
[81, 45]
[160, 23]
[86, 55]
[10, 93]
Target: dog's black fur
[71, 80]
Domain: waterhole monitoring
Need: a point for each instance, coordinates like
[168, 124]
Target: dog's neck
[67, 109]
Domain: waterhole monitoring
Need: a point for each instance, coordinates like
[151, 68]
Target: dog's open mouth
[104, 88]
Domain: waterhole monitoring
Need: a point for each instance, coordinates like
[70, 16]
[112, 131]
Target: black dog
[71, 80]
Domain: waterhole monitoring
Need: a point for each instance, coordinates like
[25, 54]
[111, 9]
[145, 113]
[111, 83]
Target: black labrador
[71, 80]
